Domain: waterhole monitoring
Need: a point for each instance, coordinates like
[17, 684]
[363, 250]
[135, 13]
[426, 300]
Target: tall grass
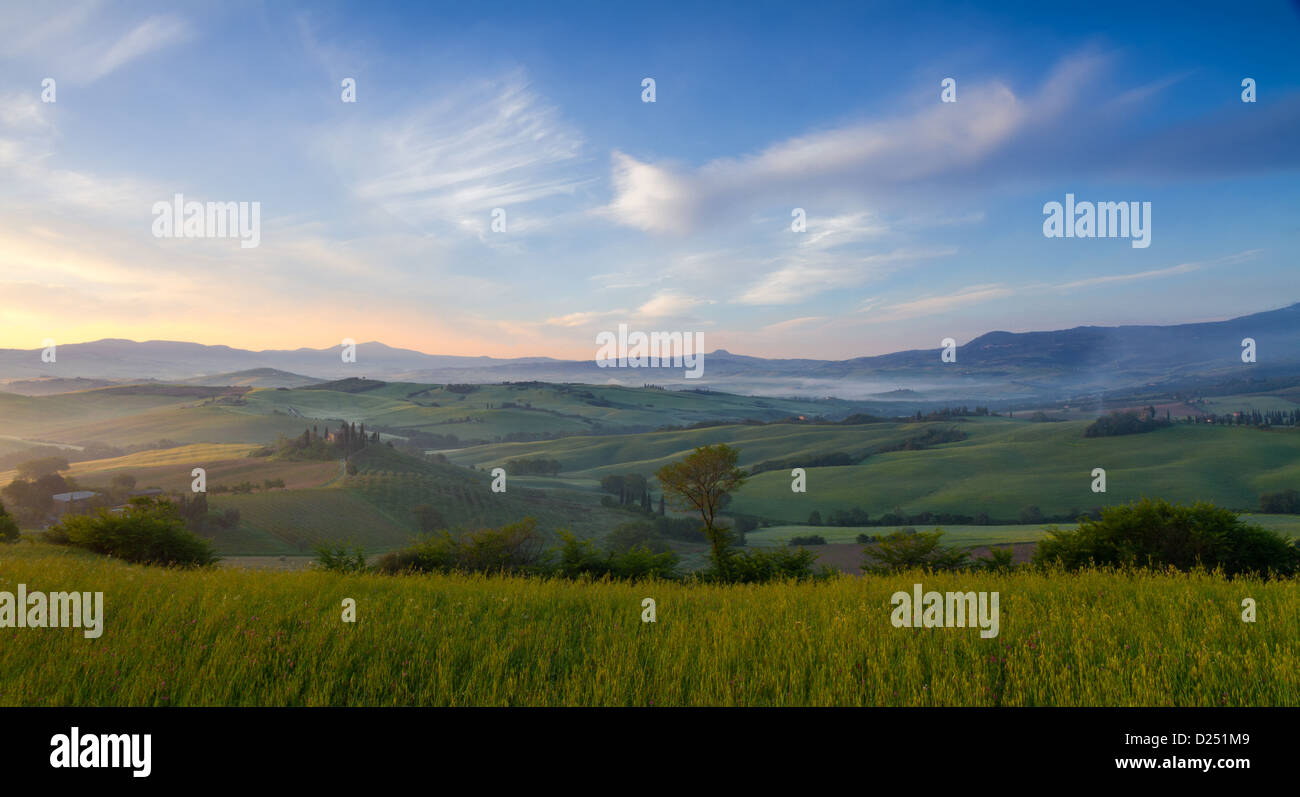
[231, 637]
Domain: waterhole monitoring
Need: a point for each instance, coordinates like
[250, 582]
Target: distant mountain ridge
[1055, 362]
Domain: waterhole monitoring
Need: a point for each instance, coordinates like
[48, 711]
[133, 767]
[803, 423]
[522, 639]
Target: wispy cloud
[794, 323]
[877, 310]
[85, 42]
[153, 34]
[806, 275]
[1182, 268]
[931, 305]
[583, 319]
[453, 159]
[669, 304]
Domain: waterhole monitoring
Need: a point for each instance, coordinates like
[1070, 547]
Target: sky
[923, 218]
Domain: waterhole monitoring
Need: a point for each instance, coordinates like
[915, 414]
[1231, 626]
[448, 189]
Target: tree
[32, 500]
[612, 484]
[123, 482]
[634, 487]
[701, 482]
[8, 526]
[36, 468]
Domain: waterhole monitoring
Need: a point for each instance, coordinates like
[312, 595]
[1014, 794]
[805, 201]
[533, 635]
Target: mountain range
[995, 365]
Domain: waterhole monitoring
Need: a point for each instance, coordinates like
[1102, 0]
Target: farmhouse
[68, 502]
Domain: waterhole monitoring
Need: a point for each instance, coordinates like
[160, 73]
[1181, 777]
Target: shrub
[338, 559]
[636, 534]
[760, 566]
[903, 551]
[580, 558]
[808, 539]
[999, 560]
[1158, 533]
[639, 563]
[512, 548]
[149, 531]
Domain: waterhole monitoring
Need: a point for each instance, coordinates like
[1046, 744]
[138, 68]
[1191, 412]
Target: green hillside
[468, 414]
[373, 507]
[644, 453]
[1002, 467]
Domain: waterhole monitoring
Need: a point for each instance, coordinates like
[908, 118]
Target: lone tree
[702, 482]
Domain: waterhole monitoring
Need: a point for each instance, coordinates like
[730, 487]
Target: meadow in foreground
[232, 637]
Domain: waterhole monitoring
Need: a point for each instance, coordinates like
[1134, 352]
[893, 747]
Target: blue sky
[924, 219]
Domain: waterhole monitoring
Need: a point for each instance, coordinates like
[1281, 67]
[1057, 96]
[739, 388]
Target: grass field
[241, 638]
[157, 465]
